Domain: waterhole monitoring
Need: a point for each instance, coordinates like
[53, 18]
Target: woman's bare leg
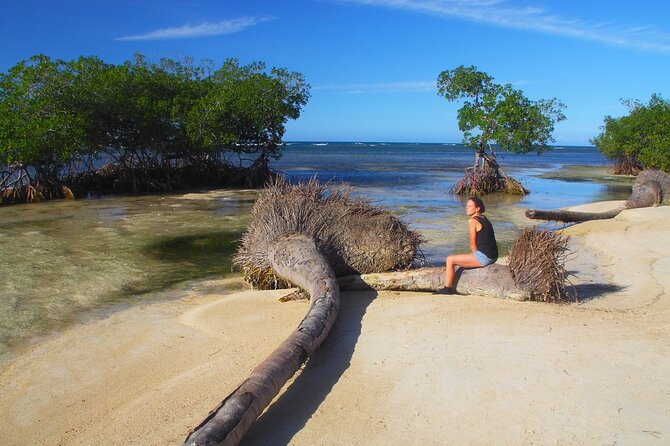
[463, 260]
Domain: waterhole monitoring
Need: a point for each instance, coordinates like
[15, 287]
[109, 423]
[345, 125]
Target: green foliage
[498, 114]
[640, 139]
[138, 110]
[244, 109]
[39, 123]
[57, 116]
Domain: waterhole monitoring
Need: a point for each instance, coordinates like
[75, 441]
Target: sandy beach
[398, 368]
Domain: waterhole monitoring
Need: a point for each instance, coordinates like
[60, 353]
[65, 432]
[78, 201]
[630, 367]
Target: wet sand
[398, 368]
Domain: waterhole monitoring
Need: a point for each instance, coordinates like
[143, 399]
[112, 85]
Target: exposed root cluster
[648, 176]
[356, 236]
[537, 263]
[17, 185]
[114, 178]
[486, 178]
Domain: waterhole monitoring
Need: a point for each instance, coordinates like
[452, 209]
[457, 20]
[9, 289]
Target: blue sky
[373, 64]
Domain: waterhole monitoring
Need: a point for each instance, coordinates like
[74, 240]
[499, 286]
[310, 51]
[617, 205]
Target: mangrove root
[486, 177]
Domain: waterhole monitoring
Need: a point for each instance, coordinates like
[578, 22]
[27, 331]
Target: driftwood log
[651, 188]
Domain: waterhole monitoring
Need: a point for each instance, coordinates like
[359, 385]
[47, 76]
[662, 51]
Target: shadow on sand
[287, 415]
[591, 291]
[290, 412]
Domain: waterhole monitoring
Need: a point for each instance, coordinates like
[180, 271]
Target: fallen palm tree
[304, 235]
[308, 235]
[651, 188]
[295, 257]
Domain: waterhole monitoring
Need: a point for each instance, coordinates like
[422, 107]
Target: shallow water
[61, 260]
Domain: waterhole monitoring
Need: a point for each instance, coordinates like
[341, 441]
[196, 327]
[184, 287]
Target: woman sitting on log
[482, 244]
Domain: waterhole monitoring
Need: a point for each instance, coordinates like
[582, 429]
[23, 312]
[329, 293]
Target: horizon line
[352, 141]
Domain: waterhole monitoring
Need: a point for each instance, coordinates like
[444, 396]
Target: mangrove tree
[89, 126]
[639, 140]
[495, 116]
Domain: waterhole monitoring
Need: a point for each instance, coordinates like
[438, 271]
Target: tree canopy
[498, 114]
[39, 124]
[639, 140]
[148, 122]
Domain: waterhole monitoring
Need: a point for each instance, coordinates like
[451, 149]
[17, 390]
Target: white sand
[399, 368]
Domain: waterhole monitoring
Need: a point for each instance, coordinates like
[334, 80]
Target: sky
[373, 64]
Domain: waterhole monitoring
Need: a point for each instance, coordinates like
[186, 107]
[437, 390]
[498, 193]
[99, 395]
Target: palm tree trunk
[492, 281]
[296, 258]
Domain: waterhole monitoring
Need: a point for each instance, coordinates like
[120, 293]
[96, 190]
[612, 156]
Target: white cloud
[502, 13]
[389, 87]
[201, 30]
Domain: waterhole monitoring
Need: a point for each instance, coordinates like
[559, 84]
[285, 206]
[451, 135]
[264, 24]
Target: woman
[482, 243]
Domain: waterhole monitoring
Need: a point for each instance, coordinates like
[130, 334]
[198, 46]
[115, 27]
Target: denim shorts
[482, 259]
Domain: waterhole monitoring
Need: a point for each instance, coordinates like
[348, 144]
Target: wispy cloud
[504, 13]
[388, 87]
[202, 30]
[392, 87]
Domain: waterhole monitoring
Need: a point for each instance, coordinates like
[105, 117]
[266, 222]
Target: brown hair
[479, 203]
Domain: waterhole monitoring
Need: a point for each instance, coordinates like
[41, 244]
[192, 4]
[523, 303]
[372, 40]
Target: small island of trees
[85, 126]
[639, 140]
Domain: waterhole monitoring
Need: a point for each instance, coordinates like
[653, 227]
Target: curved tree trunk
[296, 258]
[651, 188]
[493, 281]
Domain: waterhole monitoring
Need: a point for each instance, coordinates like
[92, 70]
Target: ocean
[425, 168]
[65, 261]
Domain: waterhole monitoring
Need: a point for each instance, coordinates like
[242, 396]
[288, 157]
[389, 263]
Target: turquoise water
[64, 260]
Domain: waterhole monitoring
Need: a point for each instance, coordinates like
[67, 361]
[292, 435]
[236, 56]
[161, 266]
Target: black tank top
[486, 239]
